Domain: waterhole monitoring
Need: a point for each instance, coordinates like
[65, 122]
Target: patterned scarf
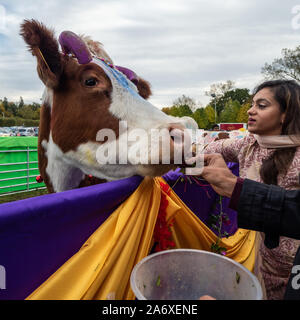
[279, 141]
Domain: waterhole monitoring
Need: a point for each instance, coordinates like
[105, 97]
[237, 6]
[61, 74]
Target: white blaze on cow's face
[128, 105]
[140, 123]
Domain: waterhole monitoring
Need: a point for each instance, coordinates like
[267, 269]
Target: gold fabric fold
[101, 269]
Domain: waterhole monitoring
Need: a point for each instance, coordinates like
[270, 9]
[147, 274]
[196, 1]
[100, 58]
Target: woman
[270, 154]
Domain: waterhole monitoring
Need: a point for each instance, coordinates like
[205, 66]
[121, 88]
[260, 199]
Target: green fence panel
[18, 164]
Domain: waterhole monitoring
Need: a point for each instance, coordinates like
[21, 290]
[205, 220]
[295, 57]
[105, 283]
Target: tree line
[227, 104]
[231, 106]
[19, 113]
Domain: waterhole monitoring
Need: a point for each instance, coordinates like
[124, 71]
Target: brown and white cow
[84, 93]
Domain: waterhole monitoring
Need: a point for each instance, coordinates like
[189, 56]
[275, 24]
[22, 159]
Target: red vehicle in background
[232, 126]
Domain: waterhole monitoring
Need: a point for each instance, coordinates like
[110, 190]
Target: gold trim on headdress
[43, 58]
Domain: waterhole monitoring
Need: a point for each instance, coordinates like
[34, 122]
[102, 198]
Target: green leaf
[237, 277]
[158, 281]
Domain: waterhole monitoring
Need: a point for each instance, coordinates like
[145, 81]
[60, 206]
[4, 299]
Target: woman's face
[265, 117]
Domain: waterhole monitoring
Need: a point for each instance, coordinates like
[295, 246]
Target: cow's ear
[43, 44]
[144, 88]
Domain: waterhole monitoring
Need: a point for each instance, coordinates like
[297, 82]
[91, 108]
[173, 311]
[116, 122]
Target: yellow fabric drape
[101, 268]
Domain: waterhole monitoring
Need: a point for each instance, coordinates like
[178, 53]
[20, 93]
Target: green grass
[22, 195]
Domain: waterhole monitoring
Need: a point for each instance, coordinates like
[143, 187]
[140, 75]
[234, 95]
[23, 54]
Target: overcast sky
[179, 46]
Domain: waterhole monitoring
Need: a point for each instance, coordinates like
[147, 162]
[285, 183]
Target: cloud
[181, 47]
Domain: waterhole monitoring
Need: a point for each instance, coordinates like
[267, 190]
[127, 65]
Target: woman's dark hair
[287, 94]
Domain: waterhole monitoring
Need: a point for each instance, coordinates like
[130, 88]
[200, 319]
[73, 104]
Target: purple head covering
[129, 74]
[71, 43]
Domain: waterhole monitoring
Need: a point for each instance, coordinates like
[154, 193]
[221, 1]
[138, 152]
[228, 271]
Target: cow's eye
[90, 82]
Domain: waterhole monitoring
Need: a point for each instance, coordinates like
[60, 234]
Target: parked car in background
[25, 132]
[14, 130]
[5, 132]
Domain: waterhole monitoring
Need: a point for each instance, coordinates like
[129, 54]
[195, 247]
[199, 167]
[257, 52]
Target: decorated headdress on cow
[85, 50]
[126, 84]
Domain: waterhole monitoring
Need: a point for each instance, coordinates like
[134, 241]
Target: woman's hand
[216, 172]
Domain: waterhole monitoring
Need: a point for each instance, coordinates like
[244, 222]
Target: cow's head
[85, 94]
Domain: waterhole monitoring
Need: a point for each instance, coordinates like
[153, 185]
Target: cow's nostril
[176, 132]
[177, 128]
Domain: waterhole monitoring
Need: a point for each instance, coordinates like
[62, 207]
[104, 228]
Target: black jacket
[276, 212]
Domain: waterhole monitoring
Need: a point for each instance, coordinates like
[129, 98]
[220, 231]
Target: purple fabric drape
[38, 235]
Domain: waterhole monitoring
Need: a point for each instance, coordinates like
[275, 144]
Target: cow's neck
[44, 131]
[57, 174]
[63, 176]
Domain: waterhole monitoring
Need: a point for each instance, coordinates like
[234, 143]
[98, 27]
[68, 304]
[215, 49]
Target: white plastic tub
[188, 274]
